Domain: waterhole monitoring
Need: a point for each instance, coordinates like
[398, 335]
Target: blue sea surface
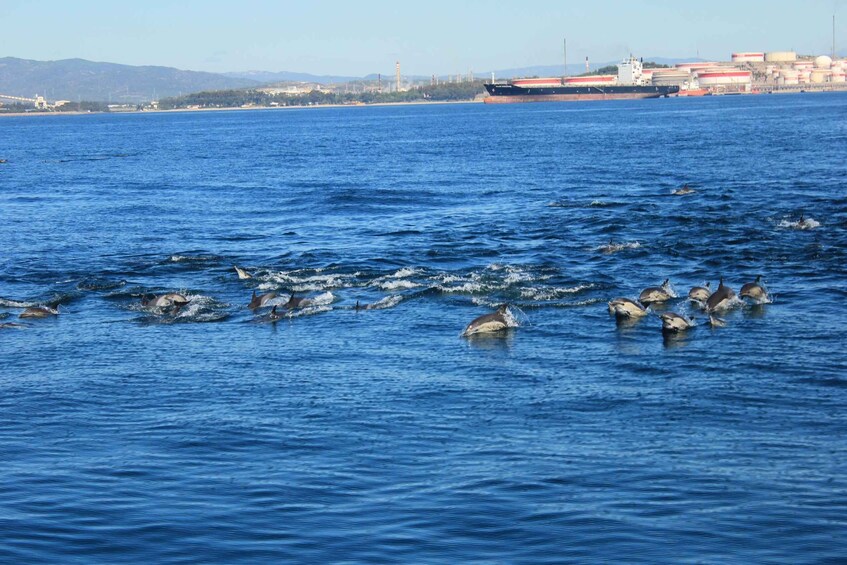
[212, 433]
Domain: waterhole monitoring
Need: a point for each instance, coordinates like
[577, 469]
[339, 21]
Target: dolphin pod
[673, 323]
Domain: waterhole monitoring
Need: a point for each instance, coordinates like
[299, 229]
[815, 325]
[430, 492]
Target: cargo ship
[628, 84]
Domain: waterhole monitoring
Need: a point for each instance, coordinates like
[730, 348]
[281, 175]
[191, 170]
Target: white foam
[397, 285]
[16, 303]
[387, 302]
[615, 247]
[467, 287]
[805, 224]
[552, 293]
[405, 272]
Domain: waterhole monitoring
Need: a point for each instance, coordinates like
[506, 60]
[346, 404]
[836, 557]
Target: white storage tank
[780, 57]
[823, 62]
[724, 77]
[748, 57]
[670, 77]
[839, 77]
[820, 75]
[691, 67]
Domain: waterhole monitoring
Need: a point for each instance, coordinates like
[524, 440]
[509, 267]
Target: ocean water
[214, 434]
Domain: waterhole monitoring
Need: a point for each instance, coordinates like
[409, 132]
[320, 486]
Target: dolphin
[489, 323]
[721, 298]
[685, 189]
[242, 274]
[260, 300]
[295, 302]
[754, 290]
[273, 316]
[716, 322]
[624, 308]
[653, 294]
[39, 312]
[674, 323]
[171, 299]
[11, 325]
[700, 293]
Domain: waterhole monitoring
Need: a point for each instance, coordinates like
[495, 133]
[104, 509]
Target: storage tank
[670, 77]
[690, 67]
[709, 78]
[804, 65]
[780, 56]
[820, 75]
[839, 77]
[748, 57]
[789, 76]
[823, 62]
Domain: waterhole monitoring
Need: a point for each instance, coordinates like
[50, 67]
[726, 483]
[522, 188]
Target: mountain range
[79, 79]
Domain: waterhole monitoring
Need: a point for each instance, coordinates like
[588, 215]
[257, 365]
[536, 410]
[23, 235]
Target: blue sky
[429, 36]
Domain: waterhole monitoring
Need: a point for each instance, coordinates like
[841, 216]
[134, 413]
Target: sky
[359, 37]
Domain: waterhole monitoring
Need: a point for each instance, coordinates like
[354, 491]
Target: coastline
[242, 109]
[784, 91]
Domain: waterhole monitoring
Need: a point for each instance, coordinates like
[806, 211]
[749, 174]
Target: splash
[612, 247]
[383, 303]
[802, 224]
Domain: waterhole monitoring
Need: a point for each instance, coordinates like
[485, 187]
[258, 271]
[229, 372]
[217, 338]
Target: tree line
[251, 97]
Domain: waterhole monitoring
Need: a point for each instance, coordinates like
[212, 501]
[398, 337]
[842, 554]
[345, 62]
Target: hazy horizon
[332, 38]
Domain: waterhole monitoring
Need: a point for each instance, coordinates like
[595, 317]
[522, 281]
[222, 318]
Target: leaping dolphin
[260, 300]
[242, 274]
[721, 298]
[685, 189]
[39, 312]
[653, 294]
[716, 322]
[297, 302]
[674, 323]
[700, 293]
[754, 290]
[170, 300]
[489, 323]
[624, 308]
